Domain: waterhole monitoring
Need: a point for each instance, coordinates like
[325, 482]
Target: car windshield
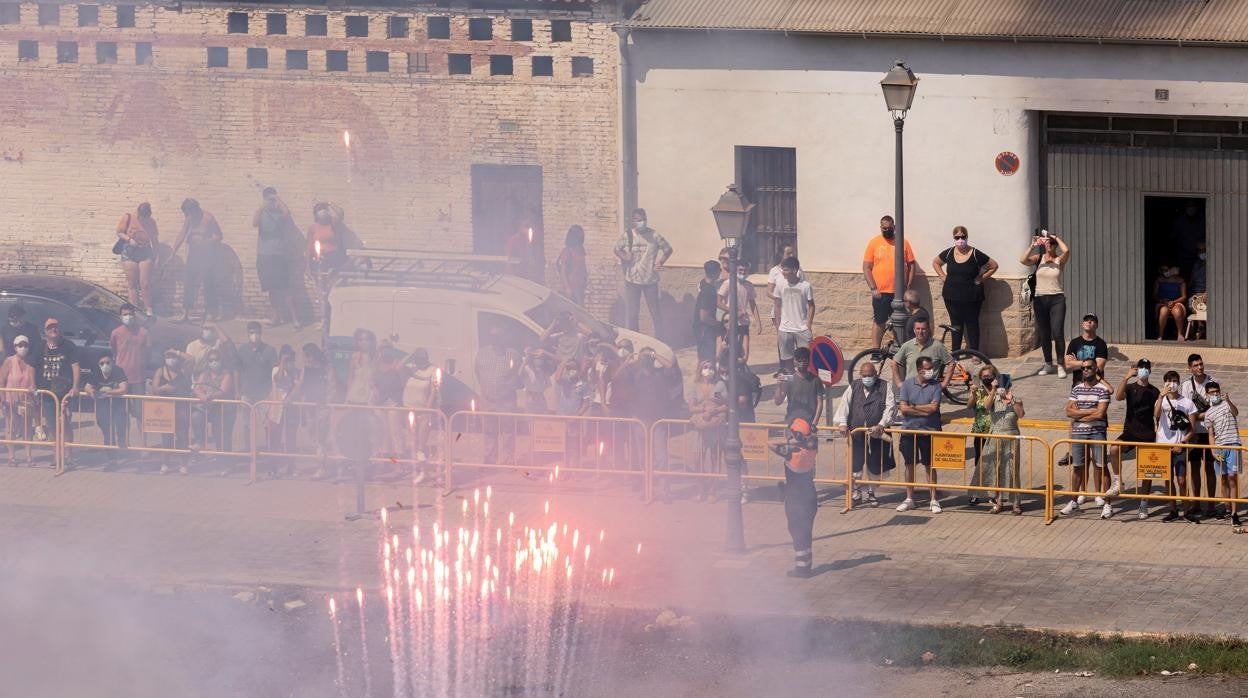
[103, 307]
[544, 314]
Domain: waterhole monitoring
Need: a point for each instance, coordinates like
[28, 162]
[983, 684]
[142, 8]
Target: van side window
[516, 333]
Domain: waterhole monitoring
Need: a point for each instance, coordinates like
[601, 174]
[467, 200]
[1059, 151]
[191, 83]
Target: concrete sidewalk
[961, 566]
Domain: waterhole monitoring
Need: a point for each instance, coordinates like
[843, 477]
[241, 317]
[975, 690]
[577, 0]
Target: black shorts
[916, 448]
[1128, 451]
[881, 308]
[274, 272]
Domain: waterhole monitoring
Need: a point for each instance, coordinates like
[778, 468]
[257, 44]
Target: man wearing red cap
[799, 449]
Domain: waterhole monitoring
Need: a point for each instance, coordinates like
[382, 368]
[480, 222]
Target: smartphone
[1003, 381]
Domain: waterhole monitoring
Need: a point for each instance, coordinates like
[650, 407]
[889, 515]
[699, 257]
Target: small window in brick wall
[560, 30]
[106, 52]
[459, 64]
[377, 61]
[257, 58]
[500, 65]
[67, 52]
[88, 15]
[336, 61]
[143, 53]
[236, 23]
[521, 30]
[357, 26]
[49, 15]
[218, 57]
[316, 25]
[10, 13]
[582, 66]
[438, 27]
[543, 66]
[480, 29]
[417, 62]
[125, 16]
[296, 59]
[27, 50]
[275, 23]
[397, 27]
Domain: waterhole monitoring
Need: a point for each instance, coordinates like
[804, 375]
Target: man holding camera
[1174, 413]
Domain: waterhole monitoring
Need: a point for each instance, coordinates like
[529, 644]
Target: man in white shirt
[794, 312]
[868, 403]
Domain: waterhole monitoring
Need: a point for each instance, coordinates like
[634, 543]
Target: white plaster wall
[700, 95]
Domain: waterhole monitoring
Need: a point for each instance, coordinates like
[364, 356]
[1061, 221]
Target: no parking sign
[826, 360]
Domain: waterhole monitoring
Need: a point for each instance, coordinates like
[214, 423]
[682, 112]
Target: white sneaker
[1045, 370]
[1070, 509]
[1100, 501]
[421, 457]
[1061, 371]
[907, 505]
[1107, 511]
[1143, 512]
[871, 500]
[857, 494]
[1114, 489]
[1081, 500]
[419, 478]
[935, 508]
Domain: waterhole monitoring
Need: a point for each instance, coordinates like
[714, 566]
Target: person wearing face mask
[747, 305]
[19, 326]
[706, 329]
[1199, 270]
[1137, 425]
[982, 398]
[420, 395]
[800, 450]
[281, 421]
[1200, 460]
[212, 383]
[877, 269]
[326, 228]
[708, 412]
[1086, 408]
[999, 459]
[573, 395]
[920, 412]
[60, 373]
[1049, 254]
[1175, 414]
[868, 403]
[749, 387]
[964, 270]
[203, 239]
[1170, 301]
[803, 391]
[130, 344]
[255, 361]
[272, 221]
[138, 239]
[17, 377]
[107, 385]
[173, 379]
[1222, 422]
[922, 346]
[642, 253]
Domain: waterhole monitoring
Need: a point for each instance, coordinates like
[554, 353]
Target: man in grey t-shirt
[920, 411]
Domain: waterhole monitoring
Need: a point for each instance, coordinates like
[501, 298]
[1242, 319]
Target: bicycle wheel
[880, 358]
[966, 366]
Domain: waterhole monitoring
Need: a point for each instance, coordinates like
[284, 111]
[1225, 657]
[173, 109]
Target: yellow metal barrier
[1000, 468]
[548, 444]
[189, 429]
[680, 452]
[1154, 463]
[23, 412]
[393, 435]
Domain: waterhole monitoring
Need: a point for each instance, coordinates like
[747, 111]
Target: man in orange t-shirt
[877, 269]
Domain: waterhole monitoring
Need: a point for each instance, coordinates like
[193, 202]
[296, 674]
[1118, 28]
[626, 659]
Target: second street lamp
[899, 86]
[732, 216]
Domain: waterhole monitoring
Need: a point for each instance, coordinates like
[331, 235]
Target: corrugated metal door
[1096, 202]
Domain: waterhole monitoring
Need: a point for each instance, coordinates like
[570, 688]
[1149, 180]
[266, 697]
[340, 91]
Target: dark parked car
[87, 313]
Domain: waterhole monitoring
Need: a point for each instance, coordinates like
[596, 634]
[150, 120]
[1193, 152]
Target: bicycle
[958, 389]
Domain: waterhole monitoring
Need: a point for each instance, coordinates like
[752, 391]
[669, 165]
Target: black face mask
[889, 233]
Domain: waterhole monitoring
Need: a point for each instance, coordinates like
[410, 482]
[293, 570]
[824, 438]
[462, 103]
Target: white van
[444, 303]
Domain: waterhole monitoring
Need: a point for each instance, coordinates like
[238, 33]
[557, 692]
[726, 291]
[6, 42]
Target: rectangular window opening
[143, 53]
[377, 61]
[543, 66]
[560, 30]
[10, 13]
[459, 64]
[257, 58]
[438, 27]
[88, 15]
[296, 59]
[236, 23]
[275, 23]
[417, 62]
[397, 27]
[125, 16]
[67, 52]
[501, 65]
[106, 52]
[218, 57]
[336, 61]
[27, 50]
[480, 29]
[357, 26]
[582, 66]
[316, 25]
[49, 15]
[521, 30]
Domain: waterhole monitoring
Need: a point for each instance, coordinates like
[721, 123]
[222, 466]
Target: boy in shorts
[1223, 425]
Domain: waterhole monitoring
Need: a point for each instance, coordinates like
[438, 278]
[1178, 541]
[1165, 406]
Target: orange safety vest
[802, 460]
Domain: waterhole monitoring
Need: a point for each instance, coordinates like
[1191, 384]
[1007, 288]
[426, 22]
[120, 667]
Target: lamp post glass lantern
[732, 215]
[899, 86]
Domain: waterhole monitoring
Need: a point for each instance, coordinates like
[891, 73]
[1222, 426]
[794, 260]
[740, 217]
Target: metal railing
[30, 419]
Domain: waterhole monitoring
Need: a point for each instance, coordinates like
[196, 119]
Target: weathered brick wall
[82, 143]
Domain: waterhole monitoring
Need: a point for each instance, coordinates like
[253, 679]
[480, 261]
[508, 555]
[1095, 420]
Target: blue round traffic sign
[826, 360]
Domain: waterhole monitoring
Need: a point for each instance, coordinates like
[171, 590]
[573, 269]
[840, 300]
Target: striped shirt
[1087, 397]
[1222, 423]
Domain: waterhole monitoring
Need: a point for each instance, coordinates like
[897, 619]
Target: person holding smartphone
[1049, 254]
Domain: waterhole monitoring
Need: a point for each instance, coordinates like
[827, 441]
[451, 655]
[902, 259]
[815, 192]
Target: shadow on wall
[676, 330]
[230, 281]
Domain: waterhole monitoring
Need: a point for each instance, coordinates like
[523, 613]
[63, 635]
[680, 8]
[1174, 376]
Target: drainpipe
[628, 125]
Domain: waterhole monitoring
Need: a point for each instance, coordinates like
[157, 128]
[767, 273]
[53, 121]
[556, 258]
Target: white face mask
[1172, 387]
[127, 320]
[638, 225]
[1215, 399]
[1143, 373]
[708, 372]
[962, 243]
[23, 351]
[106, 369]
[868, 381]
[15, 323]
[741, 275]
[208, 336]
[171, 363]
[214, 365]
[929, 374]
[255, 338]
[623, 353]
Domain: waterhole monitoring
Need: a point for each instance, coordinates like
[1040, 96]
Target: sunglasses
[20, 345]
[959, 237]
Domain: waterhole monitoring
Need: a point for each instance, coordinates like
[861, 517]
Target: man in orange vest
[799, 449]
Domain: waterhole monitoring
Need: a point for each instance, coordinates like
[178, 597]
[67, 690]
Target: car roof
[504, 292]
[62, 288]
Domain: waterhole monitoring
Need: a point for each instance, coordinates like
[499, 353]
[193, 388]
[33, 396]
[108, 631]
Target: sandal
[996, 509]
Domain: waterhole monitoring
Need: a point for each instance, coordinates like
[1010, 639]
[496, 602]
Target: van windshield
[544, 314]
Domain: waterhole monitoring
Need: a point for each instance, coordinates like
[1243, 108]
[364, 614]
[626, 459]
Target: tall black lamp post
[732, 215]
[899, 86]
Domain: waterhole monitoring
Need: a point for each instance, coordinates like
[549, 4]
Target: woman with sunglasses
[963, 269]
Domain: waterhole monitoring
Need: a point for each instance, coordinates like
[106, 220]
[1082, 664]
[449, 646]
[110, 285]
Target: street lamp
[732, 215]
[899, 86]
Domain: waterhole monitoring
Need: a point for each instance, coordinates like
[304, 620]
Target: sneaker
[1045, 370]
[935, 507]
[1114, 489]
[1100, 501]
[1061, 371]
[1173, 515]
[184, 471]
[418, 478]
[1083, 500]
[1143, 512]
[1235, 521]
[1191, 517]
[164, 470]
[1070, 509]
[800, 573]
[40, 433]
[871, 500]
[857, 494]
[1219, 513]
[1107, 511]
[907, 505]
[1065, 460]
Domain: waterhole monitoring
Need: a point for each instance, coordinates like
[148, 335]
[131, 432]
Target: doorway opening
[507, 217]
[1174, 241]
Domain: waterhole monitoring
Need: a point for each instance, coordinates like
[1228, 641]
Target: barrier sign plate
[158, 416]
[949, 452]
[548, 435]
[754, 443]
[1152, 463]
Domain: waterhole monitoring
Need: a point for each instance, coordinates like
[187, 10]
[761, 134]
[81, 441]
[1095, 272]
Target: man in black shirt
[705, 328]
[19, 326]
[1084, 347]
[1137, 423]
[58, 372]
[803, 390]
[107, 384]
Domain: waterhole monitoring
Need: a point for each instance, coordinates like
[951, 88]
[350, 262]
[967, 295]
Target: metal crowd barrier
[1013, 465]
[548, 445]
[680, 453]
[192, 433]
[29, 421]
[333, 433]
[1152, 464]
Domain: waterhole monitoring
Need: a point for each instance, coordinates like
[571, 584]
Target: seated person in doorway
[1170, 297]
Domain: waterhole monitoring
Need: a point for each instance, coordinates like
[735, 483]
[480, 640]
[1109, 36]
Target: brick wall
[82, 143]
